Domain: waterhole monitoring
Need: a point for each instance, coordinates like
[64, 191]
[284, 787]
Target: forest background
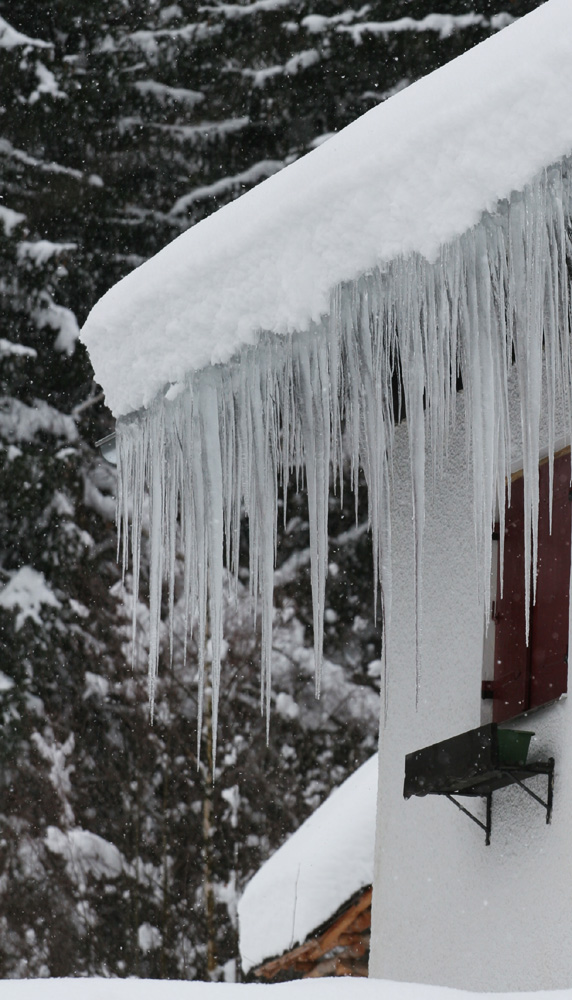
[123, 123]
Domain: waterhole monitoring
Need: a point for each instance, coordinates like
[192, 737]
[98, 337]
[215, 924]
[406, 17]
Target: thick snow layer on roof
[318, 869]
[409, 175]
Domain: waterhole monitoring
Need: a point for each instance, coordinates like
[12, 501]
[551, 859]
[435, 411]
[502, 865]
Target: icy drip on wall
[224, 443]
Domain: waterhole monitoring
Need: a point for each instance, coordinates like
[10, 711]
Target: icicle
[412, 349]
[156, 522]
[496, 298]
[207, 404]
[262, 512]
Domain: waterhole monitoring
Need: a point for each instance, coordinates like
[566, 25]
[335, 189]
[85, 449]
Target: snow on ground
[318, 869]
[302, 989]
[410, 175]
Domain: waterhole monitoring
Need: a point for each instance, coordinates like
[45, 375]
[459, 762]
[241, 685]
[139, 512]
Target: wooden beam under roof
[347, 937]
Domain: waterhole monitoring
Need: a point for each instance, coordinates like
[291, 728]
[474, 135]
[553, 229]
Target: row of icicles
[227, 443]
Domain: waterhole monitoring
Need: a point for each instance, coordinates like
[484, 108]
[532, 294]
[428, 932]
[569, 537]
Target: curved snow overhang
[408, 177]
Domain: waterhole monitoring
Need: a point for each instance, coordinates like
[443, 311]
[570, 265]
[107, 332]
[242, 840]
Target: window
[526, 677]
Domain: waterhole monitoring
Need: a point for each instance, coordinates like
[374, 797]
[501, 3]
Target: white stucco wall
[447, 909]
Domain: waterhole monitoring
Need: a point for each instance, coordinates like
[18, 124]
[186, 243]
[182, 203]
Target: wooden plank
[302, 958]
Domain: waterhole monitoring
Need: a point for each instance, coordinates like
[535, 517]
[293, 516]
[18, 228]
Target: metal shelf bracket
[550, 792]
[484, 826]
[547, 805]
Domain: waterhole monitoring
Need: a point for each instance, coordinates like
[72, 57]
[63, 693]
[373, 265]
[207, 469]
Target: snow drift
[324, 989]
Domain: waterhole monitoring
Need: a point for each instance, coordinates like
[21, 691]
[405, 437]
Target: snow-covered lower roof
[318, 869]
[409, 175]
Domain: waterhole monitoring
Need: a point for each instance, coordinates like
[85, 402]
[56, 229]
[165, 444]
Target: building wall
[447, 909]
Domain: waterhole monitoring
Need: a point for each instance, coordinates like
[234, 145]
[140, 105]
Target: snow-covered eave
[218, 444]
[410, 176]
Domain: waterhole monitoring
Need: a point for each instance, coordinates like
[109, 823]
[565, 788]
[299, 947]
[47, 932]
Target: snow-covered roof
[409, 175]
[318, 869]
[434, 230]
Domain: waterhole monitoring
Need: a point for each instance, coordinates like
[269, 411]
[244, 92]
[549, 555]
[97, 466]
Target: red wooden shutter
[510, 686]
[549, 619]
[529, 677]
